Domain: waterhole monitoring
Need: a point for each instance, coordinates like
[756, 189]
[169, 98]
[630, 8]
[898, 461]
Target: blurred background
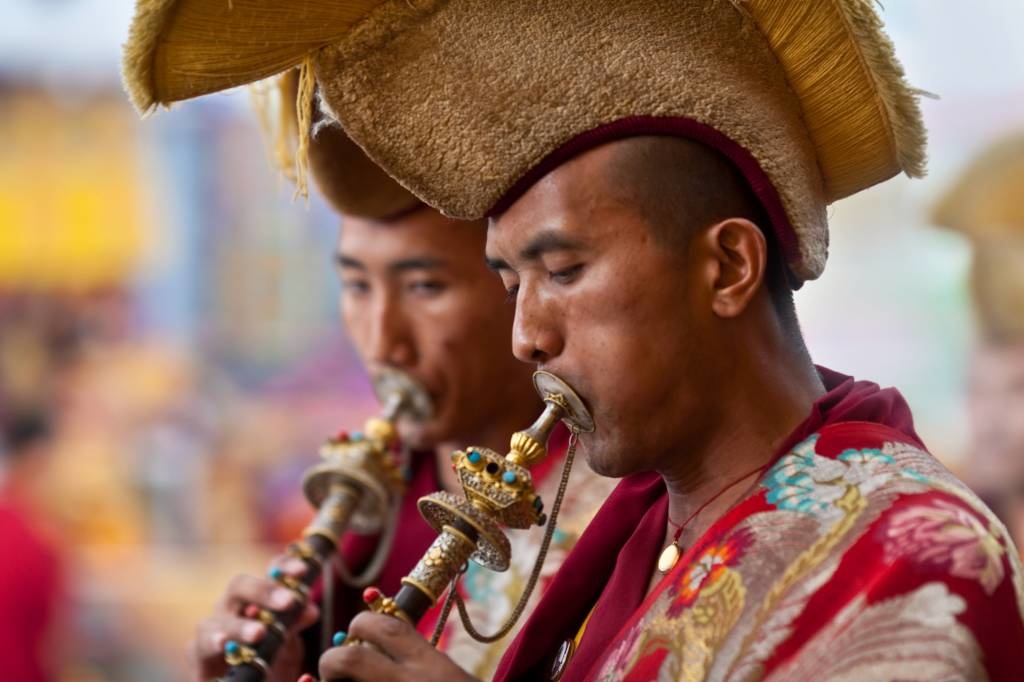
[171, 355]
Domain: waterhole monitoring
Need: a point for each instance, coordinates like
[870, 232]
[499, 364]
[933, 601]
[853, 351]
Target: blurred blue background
[172, 312]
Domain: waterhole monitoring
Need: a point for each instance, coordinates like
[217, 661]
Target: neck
[761, 402]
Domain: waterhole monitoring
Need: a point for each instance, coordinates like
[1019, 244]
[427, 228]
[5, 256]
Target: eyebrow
[404, 265]
[545, 242]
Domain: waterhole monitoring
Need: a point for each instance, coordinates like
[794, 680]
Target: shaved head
[682, 187]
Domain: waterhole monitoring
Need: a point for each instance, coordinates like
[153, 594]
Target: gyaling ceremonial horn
[356, 485]
[499, 492]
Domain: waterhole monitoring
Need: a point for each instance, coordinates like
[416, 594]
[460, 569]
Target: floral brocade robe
[857, 557]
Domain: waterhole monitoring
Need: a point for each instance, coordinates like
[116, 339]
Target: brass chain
[446, 609]
[380, 555]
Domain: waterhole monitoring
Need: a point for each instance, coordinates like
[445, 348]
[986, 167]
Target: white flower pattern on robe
[944, 536]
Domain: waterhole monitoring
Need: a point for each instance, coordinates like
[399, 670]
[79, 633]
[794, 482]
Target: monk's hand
[398, 654]
[231, 620]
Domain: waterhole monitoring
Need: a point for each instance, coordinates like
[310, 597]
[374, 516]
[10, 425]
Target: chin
[605, 461]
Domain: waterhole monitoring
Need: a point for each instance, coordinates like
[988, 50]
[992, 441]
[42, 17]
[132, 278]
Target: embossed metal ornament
[367, 460]
[499, 492]
[397, 391]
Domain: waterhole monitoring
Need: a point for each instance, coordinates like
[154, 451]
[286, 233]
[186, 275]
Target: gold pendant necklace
[670, 556]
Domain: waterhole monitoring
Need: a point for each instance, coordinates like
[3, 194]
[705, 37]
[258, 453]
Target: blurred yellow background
[169, 309]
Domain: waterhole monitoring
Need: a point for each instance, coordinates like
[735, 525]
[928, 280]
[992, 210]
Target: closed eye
[427, 287]
[566, 275]
[511, 293]
[354, 286]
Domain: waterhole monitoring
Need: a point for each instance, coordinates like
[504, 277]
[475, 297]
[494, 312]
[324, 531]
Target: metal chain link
[380, 555]
[446, 609]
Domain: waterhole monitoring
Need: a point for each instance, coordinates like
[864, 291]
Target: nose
[535, 336]
[390, 337]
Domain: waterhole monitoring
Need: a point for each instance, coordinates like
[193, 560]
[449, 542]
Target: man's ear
[738, 253]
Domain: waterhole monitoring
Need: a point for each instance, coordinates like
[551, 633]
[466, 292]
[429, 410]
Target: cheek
[451, 341]
[626, 344]
[474, 353]
[445, 335]
[473, 326]
[356, 327]
[630, 350]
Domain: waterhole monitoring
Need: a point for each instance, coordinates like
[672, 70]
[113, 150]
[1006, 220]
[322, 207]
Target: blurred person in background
[987, 205]
[416, 297]
[30, 573]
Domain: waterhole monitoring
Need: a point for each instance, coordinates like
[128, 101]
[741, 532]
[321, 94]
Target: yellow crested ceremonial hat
[469, 102]
[987, 199]
[987, 204]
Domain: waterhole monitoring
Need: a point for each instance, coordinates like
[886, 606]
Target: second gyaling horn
[356, 486]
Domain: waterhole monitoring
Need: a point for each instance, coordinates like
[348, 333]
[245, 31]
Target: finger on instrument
[214, 633]
[393, 636]
[357, 662]
[265, 593]
[310, 615]
[291, 565]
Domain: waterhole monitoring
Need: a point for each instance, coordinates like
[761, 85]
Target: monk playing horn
[656, 174]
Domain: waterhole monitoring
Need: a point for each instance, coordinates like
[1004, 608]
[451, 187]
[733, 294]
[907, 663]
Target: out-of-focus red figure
[30, 572]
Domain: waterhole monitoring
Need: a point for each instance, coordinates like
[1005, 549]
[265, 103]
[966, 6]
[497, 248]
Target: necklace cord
[682, 526]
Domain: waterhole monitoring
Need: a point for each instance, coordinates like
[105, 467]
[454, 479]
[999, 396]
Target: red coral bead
[371, 594]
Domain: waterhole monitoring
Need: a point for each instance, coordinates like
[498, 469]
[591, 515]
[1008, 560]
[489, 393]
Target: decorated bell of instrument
[371, 460]
[499, 489]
